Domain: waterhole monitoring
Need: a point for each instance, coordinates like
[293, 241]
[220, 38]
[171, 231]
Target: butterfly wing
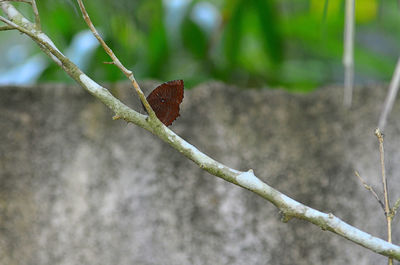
[165, 100]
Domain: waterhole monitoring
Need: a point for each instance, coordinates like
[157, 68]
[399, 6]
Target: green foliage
[291, 44]
[270, 33]
[194, 39]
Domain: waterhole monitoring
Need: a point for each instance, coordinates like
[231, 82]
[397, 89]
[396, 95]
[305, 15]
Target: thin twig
[23, 1]
[117, 62]
[9, 23]
[34, 9]
[391, 96]
[4, 28]
[379, 135]
[348, 55]
[36, 13]
[48, 49]
[368, 187]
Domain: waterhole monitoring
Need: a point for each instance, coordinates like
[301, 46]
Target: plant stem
[348, 55]
[385, 189]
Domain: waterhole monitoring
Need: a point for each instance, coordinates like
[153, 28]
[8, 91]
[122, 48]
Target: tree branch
[4, 28]
[289, 207]
[34, 9]
[117, 62]
[23, 1]
[388, 214]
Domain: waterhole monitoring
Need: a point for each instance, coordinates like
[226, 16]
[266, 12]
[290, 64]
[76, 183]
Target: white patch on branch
[10, 11]
[93, 87]
[234, 171]
[14, 14]
[43, 37]
[25, 21]
[249, 180]
[186, 145]
[90, 84]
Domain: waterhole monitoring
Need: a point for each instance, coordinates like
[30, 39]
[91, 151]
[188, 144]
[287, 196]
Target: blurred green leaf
[157, 52]
[294, 44]
[194, 39]
[267, 15]
[233, 31]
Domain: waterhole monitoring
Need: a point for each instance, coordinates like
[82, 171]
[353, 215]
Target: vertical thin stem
[348, 55]
[385, 189]
[391, 96]
[36, 13]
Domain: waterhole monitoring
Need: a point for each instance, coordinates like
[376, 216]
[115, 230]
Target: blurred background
[295, 45]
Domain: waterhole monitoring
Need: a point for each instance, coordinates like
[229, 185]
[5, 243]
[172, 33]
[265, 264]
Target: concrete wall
[77, 187]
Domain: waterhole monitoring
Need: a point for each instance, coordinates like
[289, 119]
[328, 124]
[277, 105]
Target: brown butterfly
[165, 100]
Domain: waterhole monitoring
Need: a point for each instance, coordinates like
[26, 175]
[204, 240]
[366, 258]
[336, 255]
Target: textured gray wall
[79, 188]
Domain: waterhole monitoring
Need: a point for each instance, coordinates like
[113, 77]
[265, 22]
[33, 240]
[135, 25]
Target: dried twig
[379, 135]
[4, 28]
[36, 13]
[9, 23]
[23, 1]
[34, 9]
[391, 96]
[368, 187]
[117, 62]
